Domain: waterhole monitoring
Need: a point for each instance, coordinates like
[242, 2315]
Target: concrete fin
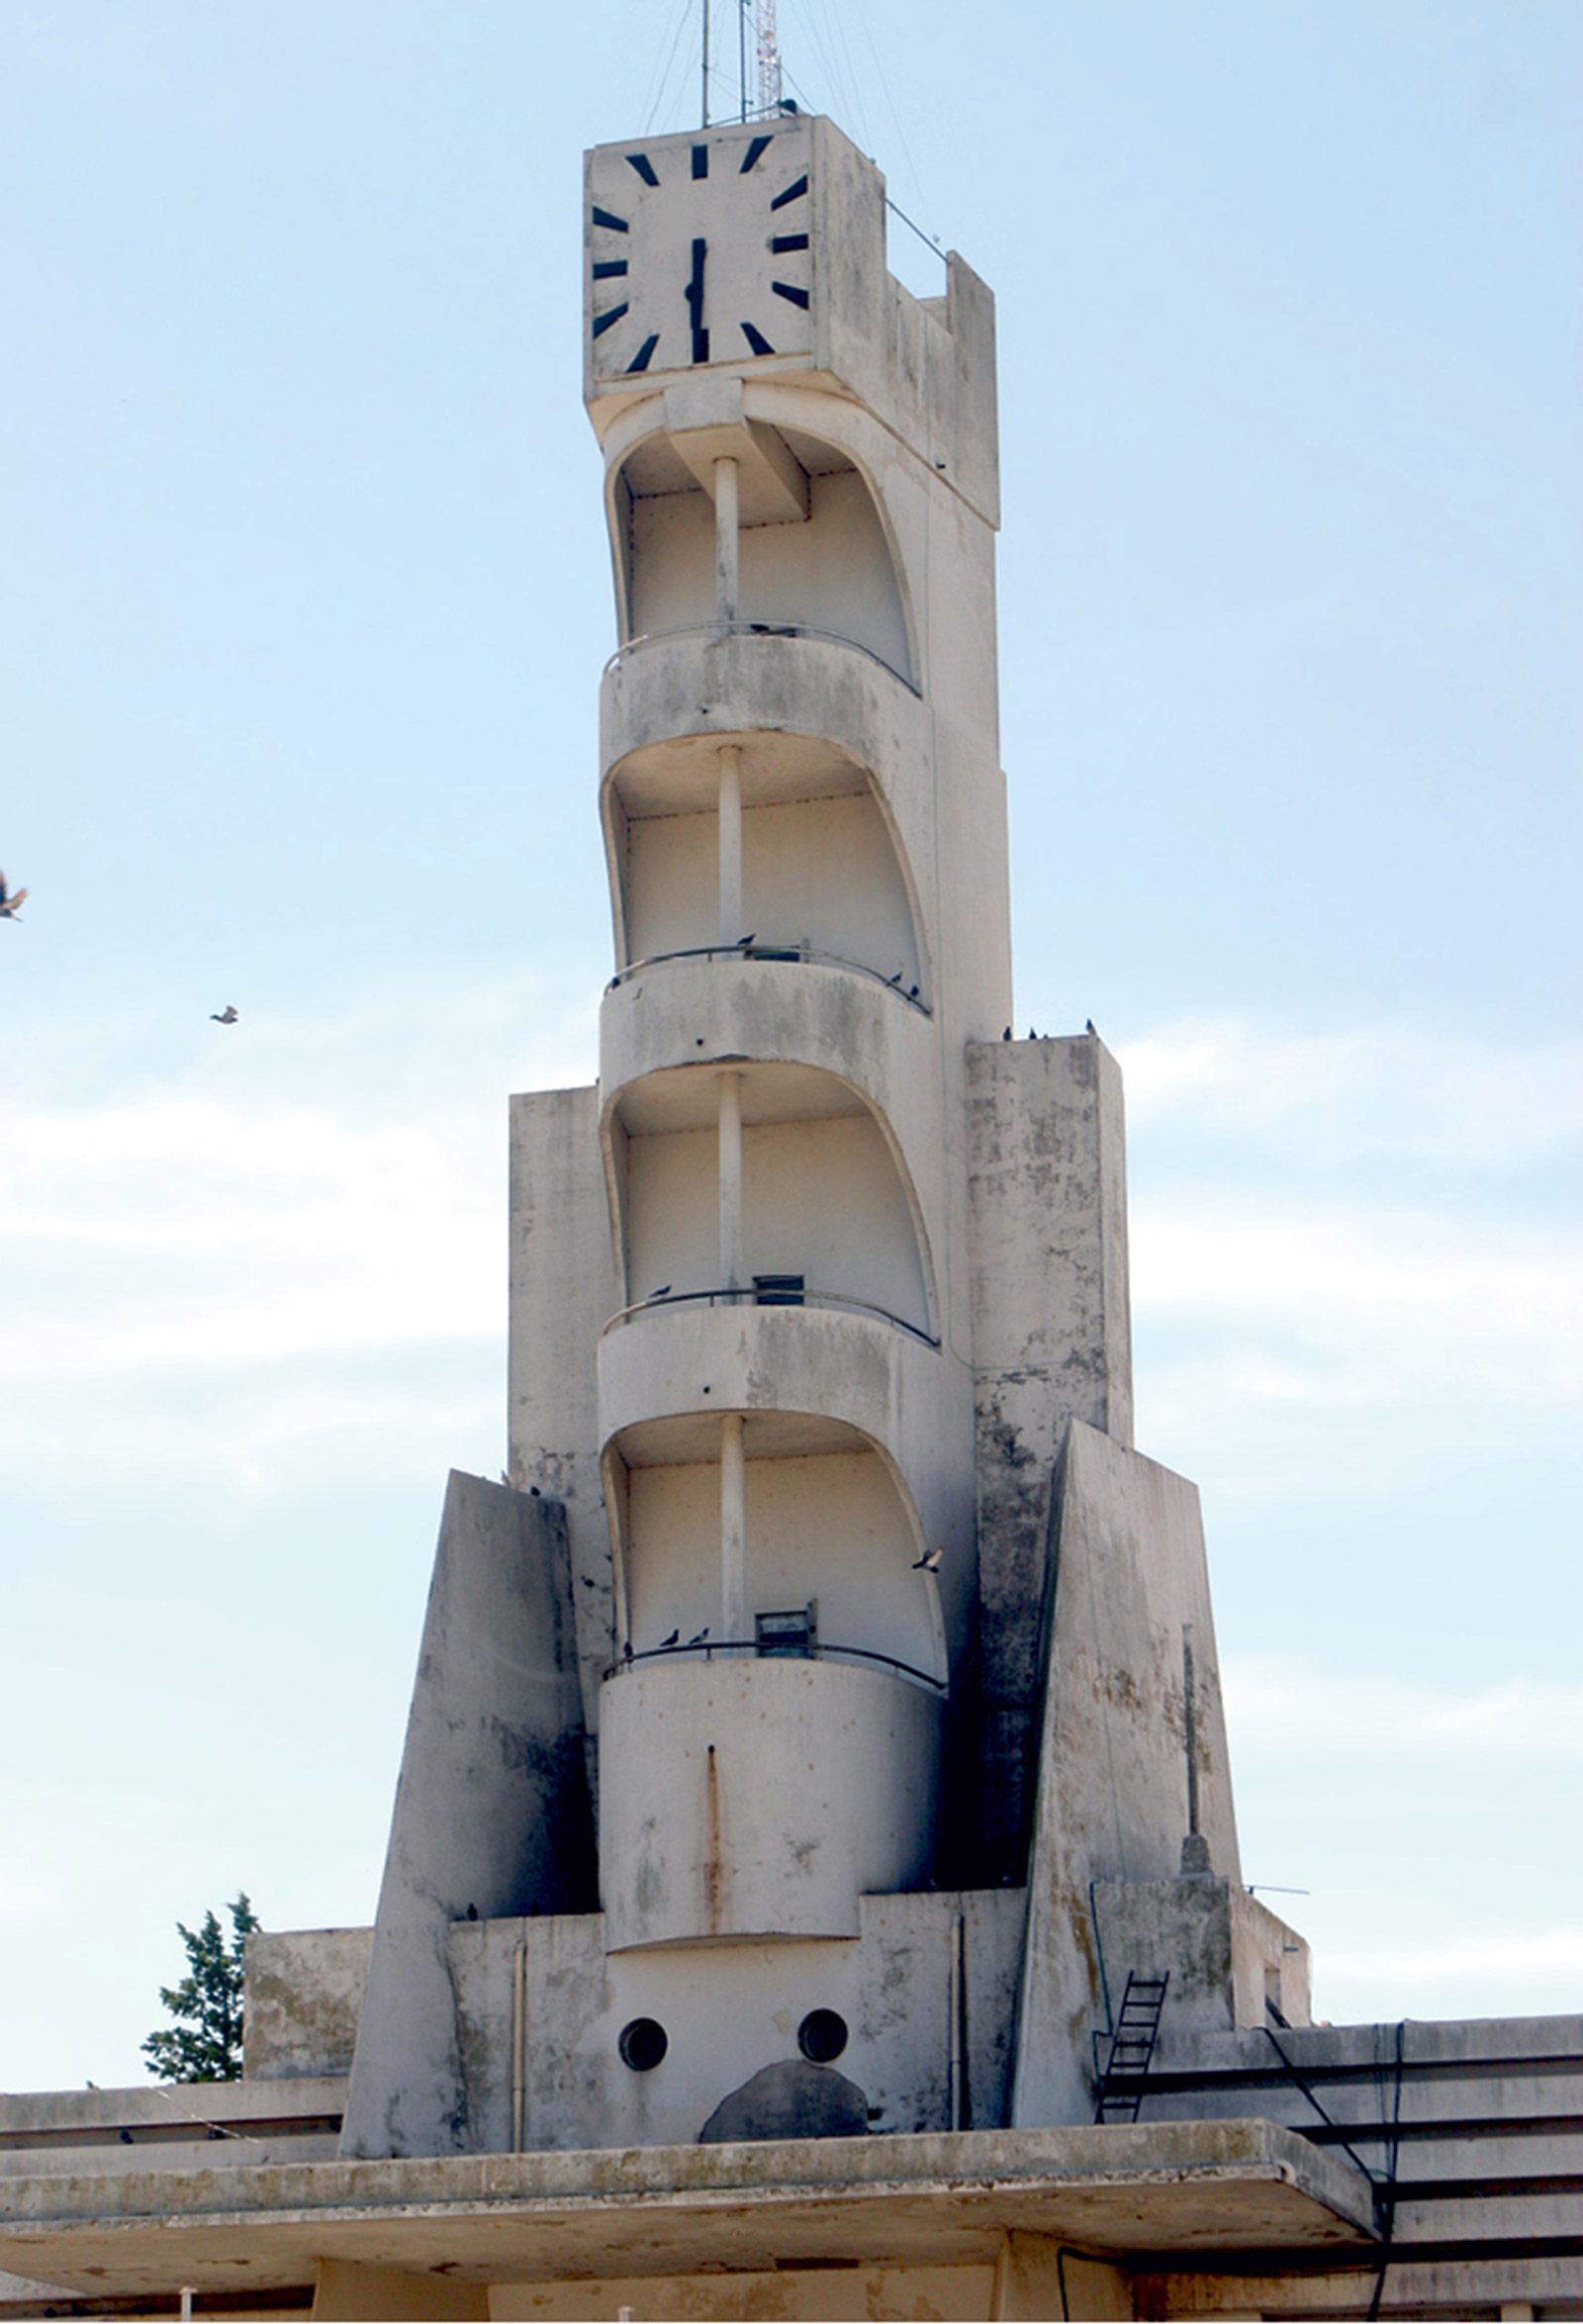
[1111, 1803]
[492, 1815]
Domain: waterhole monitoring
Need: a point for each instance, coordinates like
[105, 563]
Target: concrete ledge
[1175, 2187]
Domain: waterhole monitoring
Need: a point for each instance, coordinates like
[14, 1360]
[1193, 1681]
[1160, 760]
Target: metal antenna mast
[705, 63]
[769, 58]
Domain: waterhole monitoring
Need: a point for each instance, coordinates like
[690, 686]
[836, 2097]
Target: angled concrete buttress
[491, 1810]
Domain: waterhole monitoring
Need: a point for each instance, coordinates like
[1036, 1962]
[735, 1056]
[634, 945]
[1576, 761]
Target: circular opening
[643, 2044]
[822, 2036]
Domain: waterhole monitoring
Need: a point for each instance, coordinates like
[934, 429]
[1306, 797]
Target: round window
[643, 2043]
[822, 2036]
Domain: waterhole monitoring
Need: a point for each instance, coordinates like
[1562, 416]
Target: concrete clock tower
[820, 1379]
[813, 1849]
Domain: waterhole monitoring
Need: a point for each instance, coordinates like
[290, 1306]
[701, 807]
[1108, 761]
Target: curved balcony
[814, 713]
[829, 1374]
[797, 1019]
[758, 1796]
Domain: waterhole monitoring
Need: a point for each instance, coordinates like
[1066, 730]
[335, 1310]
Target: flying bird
[225, 1016]
[10, 904]
[703, 1634]
[672, 1640]
[929, 1562]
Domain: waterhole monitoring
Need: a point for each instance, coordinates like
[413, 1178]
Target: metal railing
[726, 1649]
[796, 953]
[719, 629]
[729, 1295]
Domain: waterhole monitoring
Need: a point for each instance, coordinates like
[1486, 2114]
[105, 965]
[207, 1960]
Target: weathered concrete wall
[491, 1811]
[1227, 1955]
[1129, 1572]
[563, 1288]
[753, 1798]
[1052, 1340]
[727, 2012]
[302, 1992]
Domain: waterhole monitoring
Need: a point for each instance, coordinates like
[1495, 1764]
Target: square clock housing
[699, 250]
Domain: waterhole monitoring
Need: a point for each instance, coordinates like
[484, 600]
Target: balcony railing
[749, 1295]
[749, 1650]
[775, 951]
[711, 630]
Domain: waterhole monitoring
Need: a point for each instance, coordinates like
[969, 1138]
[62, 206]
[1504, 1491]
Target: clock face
[698, 250]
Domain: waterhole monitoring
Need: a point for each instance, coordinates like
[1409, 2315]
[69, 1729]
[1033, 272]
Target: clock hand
[694, 302]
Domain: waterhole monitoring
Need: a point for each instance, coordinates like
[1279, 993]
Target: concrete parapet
[731, 1804]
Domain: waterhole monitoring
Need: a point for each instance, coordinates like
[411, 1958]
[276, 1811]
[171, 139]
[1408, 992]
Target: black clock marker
[608, 267]
[694, 300]
[645, 355]
[603, 322]
[758, 146]
[700, 161]
[798, 186]
[781, 242]
[788, 289]
[606, 217]
[644, 167]
[757, 341]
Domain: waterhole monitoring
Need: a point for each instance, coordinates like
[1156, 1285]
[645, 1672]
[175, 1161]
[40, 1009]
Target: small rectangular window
[794, 1631]
[778, 1290]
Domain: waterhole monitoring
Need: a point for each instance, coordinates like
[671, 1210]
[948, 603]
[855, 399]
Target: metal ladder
[1132, 2045]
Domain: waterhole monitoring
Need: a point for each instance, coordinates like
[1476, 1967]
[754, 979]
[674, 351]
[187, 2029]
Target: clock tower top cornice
[756, 250]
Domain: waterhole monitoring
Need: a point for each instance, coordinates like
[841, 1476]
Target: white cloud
[1277, 1703]
[285, 1262]
[1385, 1089]
[1357, 1303]
[1443, 1290]
[1539, 1955]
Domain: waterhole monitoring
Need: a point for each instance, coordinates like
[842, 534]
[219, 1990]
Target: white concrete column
[727, 542]
[731, 928]
[733, 1529]
[731, 1181]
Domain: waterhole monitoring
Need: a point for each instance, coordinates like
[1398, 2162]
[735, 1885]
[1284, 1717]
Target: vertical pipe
[730, 844]
[731, 1181]
[955, 2003]
[518, 2041]
[733, 1529]
[1189, 1715]
[727, 542]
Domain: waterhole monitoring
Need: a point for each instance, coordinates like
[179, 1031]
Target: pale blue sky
[305, 604]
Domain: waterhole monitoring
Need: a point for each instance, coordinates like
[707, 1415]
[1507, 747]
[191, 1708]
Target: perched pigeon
[929, 1562]
[1006, 1034]
[1093, 1028]
[701, 1635]
[672, 1641]
[663, 1292]
[10, 904]
[226, 1016]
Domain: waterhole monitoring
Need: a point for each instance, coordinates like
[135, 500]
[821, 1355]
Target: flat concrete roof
[946, 2198]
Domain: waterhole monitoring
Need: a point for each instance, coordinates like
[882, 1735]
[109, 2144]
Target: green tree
[205, 2043]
